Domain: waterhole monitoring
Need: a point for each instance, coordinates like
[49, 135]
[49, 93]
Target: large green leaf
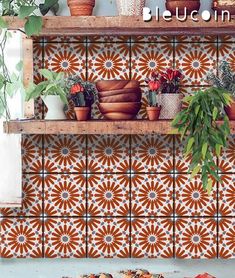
[33, 25]
[25, 11]
[3, 23]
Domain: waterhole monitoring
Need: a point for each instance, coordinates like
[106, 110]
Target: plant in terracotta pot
[82, 94]
[130, 7]
[53, 92]
[153, 110]
[202, 134]
[81, 7]
[226, 81]
[170, 98]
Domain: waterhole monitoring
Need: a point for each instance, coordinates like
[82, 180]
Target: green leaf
[204, 150]
[195, 171]
[190, 144]
[209, 186]
[3, 23]
[215, 113]
[197, 110]
[25, 11]
[19, 66]
[33, 25]
[47, 74]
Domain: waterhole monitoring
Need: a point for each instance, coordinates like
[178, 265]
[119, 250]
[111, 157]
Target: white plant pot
[171, 105]
[130, 7]
[55, 108]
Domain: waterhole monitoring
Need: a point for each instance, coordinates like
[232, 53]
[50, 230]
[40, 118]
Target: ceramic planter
[82, 113]
[230, 111]
[153, 113]
[81, 7]
[171, 105]
[191, 5]
[55, 108]
[130, 7]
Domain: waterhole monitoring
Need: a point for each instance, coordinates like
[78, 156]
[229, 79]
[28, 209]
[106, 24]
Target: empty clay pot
[190, 5]
[132, 97]
[230, 111]
[119, 116]
[109, 85]
[81, 7]
[135, 91]
[82, 113]
[153, 113]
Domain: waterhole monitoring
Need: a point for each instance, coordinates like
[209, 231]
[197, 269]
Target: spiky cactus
[152, 99]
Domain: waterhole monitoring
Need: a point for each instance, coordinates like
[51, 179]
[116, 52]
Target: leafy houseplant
[226, 81]
[53, 92]
[82, 94]
[153, 110]
[205, 137]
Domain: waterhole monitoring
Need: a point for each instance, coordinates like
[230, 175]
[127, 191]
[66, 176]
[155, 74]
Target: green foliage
[53, 85]
[204, 136]
[152, 99]
[225, 80]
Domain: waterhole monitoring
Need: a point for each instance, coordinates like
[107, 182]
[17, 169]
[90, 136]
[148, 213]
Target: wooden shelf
[125, 25]
[87, 127]
[92, 127]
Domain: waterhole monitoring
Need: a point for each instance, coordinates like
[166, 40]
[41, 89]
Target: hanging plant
[205, 137]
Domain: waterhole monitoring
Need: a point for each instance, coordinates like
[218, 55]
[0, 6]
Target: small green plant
[225, 80]
[154, 87]
[205, 137]
[55, 84]
[82, 93]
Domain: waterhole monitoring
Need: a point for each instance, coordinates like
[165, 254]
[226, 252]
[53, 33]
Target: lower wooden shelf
[87, 127]
[92, 127]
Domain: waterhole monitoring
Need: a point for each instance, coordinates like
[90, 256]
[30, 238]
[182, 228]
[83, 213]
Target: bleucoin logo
[194, 15]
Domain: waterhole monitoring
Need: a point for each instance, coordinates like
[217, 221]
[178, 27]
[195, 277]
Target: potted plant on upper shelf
[226, 81]
[53, 92]
[204, 136]
[153, 110]
[169, 97]
[82, 94]
[81, 7]
[130, 7]
[183, 5]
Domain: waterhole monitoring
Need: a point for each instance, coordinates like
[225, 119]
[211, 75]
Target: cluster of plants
[163, 83]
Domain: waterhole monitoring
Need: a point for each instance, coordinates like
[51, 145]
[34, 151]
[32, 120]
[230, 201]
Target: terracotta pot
[153, 113]
[82, 113]
[230, 111]
[109, 85]
[190, 5]
[132, 97]
[111, 93]
[81, 7]
[119, 116]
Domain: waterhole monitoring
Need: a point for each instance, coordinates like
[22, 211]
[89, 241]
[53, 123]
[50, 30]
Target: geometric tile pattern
[121, 196]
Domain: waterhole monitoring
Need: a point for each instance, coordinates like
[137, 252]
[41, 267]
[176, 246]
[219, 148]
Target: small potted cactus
[82, 95]
[153, 110]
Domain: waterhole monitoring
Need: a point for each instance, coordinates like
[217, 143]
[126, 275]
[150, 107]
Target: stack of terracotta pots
[191, 5]
[119, 99]
[81, 7]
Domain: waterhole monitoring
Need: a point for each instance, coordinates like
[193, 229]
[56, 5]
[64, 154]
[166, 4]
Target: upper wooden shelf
[92, 127]
[125, 25]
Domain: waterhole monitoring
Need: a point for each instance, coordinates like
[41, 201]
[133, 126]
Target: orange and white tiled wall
[122, 196]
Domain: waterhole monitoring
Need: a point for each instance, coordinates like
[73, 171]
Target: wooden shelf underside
[92, 127]
[125, 25]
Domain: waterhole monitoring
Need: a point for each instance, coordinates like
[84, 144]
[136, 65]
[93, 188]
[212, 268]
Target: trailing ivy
[204, 136]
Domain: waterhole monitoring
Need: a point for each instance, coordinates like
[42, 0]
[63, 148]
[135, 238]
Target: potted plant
[153, 110]
[169, 96]
[130, 7]
[204, 136]
[226, 81]
[81, 7]
[82, 94]
[53, 92]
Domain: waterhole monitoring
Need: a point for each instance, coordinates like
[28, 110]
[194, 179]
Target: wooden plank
[27, 45]
[125, 25]
[88, 127]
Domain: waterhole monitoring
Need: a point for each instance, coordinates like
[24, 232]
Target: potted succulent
[81, 7]
[130, 7]
[226, 81]
[82, 94]
[204, 136]
[153, 110]
[53, 93]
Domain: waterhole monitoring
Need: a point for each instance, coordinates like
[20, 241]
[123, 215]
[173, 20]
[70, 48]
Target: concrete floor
[72, 268]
